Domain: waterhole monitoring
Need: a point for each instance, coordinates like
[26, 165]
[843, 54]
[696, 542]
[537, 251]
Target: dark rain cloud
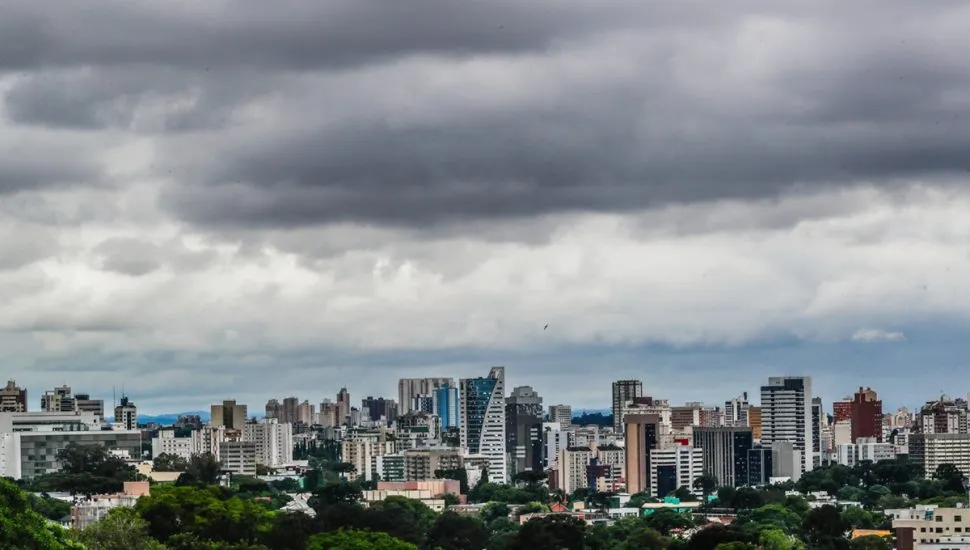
[701, 111]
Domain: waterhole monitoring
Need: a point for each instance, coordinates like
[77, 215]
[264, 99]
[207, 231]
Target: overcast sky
[250, 199]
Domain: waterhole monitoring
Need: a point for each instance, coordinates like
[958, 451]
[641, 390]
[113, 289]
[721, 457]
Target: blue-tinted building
[446, 406]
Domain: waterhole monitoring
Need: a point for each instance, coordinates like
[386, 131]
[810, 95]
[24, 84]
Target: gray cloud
[585, 106]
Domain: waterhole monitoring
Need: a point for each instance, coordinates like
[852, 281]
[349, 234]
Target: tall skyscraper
[343, 406]
[523, 429]
[410, 388]
[866, 413]
[446, 405]
[624, 391]
[641, 432]
[725, 453]
[13, 398]
[818, 420]
[786, 415]
[483, 421]
[228, 414]
[274, 409]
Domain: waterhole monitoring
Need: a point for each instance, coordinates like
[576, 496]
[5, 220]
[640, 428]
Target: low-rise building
[929, 526]
[238, 457]
[89, 510]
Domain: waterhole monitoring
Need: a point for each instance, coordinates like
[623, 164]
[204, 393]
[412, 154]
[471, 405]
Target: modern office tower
[674, 467]
[754, 422]
[523, 430]
[563, 414]
[818, 416]
[126, 414]
[446, 405]
[483, 421]
[13, 398]
[409, 388]
[343, 406]
[422, 404]
[725, 451]
[866, 415]
[641, 433]
[736, 411]
[228, 414]
[624, 391]
[786, 415]
[273, 441]
[760, 466]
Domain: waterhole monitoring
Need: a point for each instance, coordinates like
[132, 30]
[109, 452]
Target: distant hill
[170, 418]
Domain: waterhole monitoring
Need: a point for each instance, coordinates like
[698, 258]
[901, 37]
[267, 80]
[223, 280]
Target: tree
[451, 531]
[637, 500]
[178, 515]
[51, 508]
[706, 484]
[553, 532]
[950, 476]
[122, 529]
[494, 510]
[683, 494]
[532, 477]
[451, 499]
[666, 520]
[201, 469]
[644, 538]
[776, 539]
[86, 470]
[21, 528]
[357, 540]
[735, 545]
[289, 531]
[167, 462]
[824, 527]
[400, 517]
[711, 537]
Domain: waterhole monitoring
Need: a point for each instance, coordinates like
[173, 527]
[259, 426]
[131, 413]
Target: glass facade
[478, 392]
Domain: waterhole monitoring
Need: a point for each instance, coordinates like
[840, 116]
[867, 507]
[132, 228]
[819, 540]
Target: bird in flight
[545, 327]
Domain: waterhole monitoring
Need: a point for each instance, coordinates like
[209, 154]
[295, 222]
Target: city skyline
[639, 188]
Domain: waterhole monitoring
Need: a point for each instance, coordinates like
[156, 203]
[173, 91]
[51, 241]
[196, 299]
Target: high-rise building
[725, 452]
[446, 405]
[409, 388]
[58, 400]
[523, 430]
[273, 441]
[228, 414]
[328, 414]
[674, 467]
[624, 391]
[842, 410]
[13, 398]
[736, 411]
[305, 413]
[866, 415]
[274, 409]
[754, 422]
[930, 451]
[343, 406]
[126, 414]
[572, 470]
[786, 415]
[563, 414]
[818, 417]
[483, 421]
[378, 408]
[641, 434]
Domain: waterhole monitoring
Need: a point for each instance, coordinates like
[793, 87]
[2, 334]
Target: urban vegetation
[200, 512]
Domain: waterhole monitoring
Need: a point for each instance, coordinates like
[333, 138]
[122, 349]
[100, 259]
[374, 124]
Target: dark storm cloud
[702, 108]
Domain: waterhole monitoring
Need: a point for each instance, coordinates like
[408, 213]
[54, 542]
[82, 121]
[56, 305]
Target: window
[939, 519]
[957, 518]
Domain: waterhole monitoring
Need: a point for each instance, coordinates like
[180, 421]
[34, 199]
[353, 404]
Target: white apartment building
[573, 462]
[362, 452]
[932, 450]
[554, 441]
[674, 467]
[206, 440]
[864, 449]
[273, 440]
[239, 457]
[483, 421]
[614, 458]
[786, 415]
